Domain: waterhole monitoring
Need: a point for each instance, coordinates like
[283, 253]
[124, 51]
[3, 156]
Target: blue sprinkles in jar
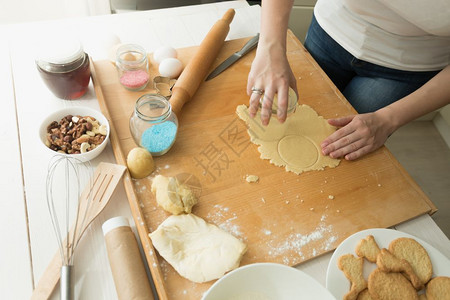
[153, 125]
[159, 137]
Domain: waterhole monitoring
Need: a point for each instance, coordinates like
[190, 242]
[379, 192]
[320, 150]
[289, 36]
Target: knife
[234, 57]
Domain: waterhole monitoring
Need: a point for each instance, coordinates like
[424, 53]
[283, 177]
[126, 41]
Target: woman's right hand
[271, 73]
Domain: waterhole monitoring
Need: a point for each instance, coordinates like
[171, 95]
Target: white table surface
[28, 238]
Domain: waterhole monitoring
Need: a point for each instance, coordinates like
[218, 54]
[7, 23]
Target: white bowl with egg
[75, 111]
[267, 281]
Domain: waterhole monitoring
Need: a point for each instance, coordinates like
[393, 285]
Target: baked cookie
[422, 297]
[364, 295]
[390, 286]
[387, 262]
[414, 253]
[353, 270]
[368, 248]
[438, 288]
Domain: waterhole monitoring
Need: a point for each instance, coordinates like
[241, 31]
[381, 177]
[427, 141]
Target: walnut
[52, 125]
[72, 132]
[97, 139]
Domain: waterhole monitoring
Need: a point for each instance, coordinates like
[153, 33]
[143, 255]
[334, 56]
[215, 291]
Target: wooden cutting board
[283, 218]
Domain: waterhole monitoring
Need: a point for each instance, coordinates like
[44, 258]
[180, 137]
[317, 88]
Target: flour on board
[223, 218]
[322, 237]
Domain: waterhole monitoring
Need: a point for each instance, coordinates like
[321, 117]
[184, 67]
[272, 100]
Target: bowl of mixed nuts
[81, 132]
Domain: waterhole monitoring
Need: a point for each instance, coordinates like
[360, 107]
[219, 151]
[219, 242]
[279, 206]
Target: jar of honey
[64, 67]
[153, 125]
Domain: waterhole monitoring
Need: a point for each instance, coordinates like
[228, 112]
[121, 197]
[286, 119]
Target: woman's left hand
[358, 135]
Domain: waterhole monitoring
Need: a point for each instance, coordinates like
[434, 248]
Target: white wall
[442, 123]
[445, 112]
[18, 11]
[300, 18]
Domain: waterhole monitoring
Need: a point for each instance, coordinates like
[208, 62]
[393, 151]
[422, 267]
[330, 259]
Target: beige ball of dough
[140, 163]
[113, 52]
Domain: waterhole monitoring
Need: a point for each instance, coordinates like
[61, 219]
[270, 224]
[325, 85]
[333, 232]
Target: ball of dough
[173, 196]
[113, 52]
[140, 163]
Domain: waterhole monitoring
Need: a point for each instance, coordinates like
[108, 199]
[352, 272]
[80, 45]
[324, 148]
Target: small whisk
[66, 178]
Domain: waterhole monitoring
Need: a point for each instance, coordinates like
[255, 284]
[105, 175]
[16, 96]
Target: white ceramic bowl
[80, 111]
[267, 281]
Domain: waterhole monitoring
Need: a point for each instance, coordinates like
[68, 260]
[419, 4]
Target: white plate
[266, 281]
[339, 285]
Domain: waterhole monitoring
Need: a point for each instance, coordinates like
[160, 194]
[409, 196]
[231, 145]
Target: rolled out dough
[294, 144]
[197, 250]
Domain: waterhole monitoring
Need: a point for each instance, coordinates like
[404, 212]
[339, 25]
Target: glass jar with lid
[132, 67]
[64, 67]
[153, 125]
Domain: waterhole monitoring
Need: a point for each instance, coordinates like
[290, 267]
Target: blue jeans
[366, 86]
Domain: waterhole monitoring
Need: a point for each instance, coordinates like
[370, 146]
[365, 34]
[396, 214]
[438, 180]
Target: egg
[99, 47]
[170, 67]
[164, 52]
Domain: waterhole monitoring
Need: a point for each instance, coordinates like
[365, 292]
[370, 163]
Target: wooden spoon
[94, 199]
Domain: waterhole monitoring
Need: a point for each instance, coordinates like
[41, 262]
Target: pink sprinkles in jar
[134, 79]
[132, 67]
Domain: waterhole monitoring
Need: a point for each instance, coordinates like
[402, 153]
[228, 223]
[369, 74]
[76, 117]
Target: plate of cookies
[387, 264]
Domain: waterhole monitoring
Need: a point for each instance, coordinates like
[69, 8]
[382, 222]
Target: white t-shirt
[411, 35]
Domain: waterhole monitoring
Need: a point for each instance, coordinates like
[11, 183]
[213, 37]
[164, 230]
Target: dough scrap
[197, 250]
[172, 196]
[252, 178]
[140, 163]
[294, 144]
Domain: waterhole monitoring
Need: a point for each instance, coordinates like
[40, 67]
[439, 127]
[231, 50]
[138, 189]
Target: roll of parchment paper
[125, 260]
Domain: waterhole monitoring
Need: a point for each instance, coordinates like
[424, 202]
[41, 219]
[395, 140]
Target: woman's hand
[358, 135]
[271, 73]
[365, 133]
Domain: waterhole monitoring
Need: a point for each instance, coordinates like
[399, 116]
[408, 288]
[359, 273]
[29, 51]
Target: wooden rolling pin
[199, 65]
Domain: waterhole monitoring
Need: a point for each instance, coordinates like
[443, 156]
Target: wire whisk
[66, 179]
